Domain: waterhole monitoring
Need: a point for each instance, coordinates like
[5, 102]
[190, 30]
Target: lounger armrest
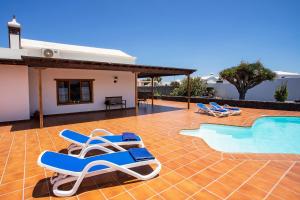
[126, 170]
[93, 147]
[94, 132]
[103, 140]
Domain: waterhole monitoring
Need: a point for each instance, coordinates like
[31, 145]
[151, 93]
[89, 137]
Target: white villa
[55, 78]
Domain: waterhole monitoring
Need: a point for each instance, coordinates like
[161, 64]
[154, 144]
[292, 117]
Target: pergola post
[40, 99]
[136, 91]
[188, 91]
[152, 91]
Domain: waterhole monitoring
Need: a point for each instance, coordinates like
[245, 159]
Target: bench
[143, 96]
[113, 101]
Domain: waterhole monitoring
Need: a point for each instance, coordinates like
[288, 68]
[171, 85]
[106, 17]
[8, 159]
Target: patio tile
[11, 186]
[232, 182]
[95, 194]
[188, 187]
[204, 194]
[13, 195]
[190, 168]
[29, 193]
[185, 171]
[112, 189]
[252, 192]
[173, 193]
[156, 197]
[33, 180]
[123, 196]
[201, 179]
[158, 184]
[219, 189]
[239, 196]
[172, 177]
[142, 192]
[285, 193]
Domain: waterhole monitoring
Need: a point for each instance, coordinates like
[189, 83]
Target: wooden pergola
[140, 71]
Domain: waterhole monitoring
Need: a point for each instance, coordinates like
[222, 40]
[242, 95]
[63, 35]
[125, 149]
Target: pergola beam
[152, 91]
[188, 91]
[136, 91]
[144, 70]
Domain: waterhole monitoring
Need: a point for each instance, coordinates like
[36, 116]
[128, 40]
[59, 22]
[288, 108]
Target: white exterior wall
[14, 101]
[103, 86]
[12, 53]
[14, 41]
[262, 92]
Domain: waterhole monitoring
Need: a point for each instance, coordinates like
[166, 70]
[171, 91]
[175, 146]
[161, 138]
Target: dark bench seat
[113, 101]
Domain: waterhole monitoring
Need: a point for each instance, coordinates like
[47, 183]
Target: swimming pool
[266, 135]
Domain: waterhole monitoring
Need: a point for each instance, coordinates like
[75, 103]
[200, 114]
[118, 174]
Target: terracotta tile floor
[191, 170]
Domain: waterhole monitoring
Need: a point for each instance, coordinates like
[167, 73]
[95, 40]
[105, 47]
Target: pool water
[266, 135]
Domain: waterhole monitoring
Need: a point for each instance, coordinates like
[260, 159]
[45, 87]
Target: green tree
[281, 92]
[246, 76]
[175, 84]
[198, 87]
[158, 79]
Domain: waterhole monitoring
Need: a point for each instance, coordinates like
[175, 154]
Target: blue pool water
[266, 135]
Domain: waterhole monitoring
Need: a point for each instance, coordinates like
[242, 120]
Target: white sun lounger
[80, 141]
[69, 168]
[231, 110]
[211, 111]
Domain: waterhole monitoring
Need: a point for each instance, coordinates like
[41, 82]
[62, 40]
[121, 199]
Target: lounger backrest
[215, 105]
[202, 106]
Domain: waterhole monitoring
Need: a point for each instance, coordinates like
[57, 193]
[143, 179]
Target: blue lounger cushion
[140, 154]
[75, 164]
[80, 138]
[128, 136]
[219, 110]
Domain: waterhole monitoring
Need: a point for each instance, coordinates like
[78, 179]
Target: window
[74, 91]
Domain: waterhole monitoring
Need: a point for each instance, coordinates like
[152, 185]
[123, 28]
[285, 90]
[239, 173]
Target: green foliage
[246, 76]
[281, 93]
[198, 87]
[210, 92]
[157, 93]
[174, 84]
[158, 79]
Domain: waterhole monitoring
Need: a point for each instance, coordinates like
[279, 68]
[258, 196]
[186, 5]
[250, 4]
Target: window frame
[91, 81]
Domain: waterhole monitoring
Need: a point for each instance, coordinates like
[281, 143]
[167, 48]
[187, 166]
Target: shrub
[281, 92]
[198, 87]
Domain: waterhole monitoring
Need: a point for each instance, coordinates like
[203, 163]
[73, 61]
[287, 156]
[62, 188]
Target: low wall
[262, 92]
[238, 103]
[162, 90]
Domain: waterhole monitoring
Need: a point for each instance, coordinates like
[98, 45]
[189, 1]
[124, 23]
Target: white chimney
[14, 34]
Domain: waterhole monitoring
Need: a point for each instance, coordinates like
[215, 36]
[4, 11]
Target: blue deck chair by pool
[211, 111]
[231, 110]
[80, 141]
[69, 169]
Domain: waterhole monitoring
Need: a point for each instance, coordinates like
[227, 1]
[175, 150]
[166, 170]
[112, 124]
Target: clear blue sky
[208, 35]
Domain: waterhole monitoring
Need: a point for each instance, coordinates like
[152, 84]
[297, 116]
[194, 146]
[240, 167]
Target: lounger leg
[143, 177]
[72, 146]
[74, 149]
[73, 190]
[78, 180]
